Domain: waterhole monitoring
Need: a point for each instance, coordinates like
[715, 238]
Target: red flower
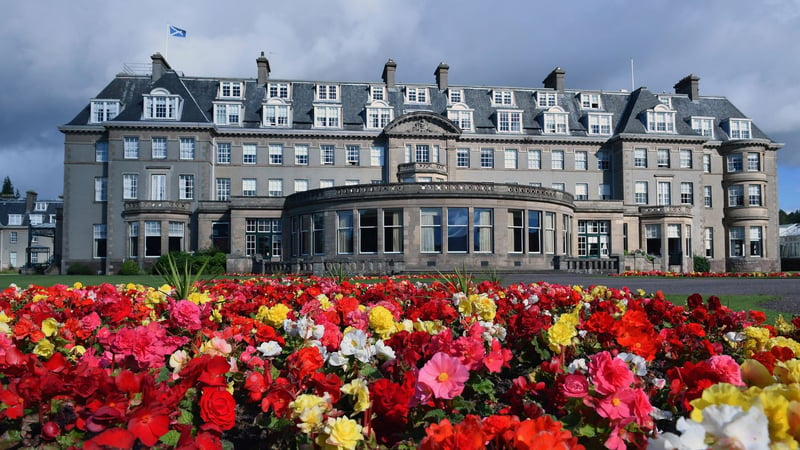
[111, 438]
[544, 433]
[304, 362]
[256, 384]
[149, 425]
[218, 408]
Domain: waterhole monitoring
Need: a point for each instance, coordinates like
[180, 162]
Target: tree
[8, 188]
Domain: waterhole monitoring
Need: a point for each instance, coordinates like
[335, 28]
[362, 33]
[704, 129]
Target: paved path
[787, 289]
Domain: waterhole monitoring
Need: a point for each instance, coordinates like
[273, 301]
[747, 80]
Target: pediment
[422, 124]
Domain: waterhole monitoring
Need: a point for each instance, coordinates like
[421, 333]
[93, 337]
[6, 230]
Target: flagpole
[166, 44]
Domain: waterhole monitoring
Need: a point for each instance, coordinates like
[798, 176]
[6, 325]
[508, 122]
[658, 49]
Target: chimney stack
[263, 69]
[160, 66]
[689, 85]
[30, 201]
[441, 75]
[555, 80]
[389, 70]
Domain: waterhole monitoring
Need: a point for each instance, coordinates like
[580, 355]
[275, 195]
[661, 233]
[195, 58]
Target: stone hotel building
[385, 176]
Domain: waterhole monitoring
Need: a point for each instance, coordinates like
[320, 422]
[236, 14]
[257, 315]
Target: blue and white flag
[176, 32]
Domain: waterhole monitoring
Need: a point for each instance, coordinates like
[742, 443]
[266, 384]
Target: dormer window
[590, 101]
[665, 100]
[327, 116]
[455, 96]
[35, 219]
[15, 219]
[704, 126]
[661, 119]
[279, 90]
[103, 110]
[545, 99]
[230, 89]
[461, 115]
[377, 93]
[502, 98]
[276, 113]
[739, 128]
[228, 114]
[416, 95]
[328, 92]
[160, 104]
[40, 206]
[599, 124]
[379, 114]
[509, 121]
[555, 121]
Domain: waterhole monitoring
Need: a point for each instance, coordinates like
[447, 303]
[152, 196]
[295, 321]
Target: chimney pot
[555, 80]
[389, 70]
[689, 85]
[263, 69]
[441, 75]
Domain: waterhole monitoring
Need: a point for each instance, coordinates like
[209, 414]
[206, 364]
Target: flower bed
[392, 364]
[660, 273]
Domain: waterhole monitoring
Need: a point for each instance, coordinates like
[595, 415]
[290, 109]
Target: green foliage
[130, 267]
[337, 272]
[8, 188]
[701, 263]
[79, 269]
[460, 281]
[786, 218]
[183, 277]
[211, 261]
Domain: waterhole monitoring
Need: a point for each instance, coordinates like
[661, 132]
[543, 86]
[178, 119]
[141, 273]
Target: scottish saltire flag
[176, 32]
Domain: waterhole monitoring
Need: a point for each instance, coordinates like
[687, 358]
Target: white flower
[384, 351]
[458, 297]
[735, 336]
[303, 328]
[336, 359]
[270, 348]
[725, 426]
[578, 365]
[354, 343]
[639, 365]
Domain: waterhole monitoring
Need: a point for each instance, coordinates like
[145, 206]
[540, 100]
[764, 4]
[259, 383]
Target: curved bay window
[431, 230]
[457, 230]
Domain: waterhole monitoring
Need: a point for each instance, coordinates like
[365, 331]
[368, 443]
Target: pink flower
[470, 351]
[727, 369]
[575, 385]
[497, 358]
[90, 322]
[609, 374]
[186, 314]
[444, 376]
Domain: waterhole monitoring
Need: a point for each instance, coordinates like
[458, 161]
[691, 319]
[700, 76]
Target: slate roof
[628, 109]
[17, 206]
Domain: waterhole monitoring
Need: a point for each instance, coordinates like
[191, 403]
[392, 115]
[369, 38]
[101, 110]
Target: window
[99, 232]
[461, 116]
[755, 241]
[686, 158]
[186, 187]
[301, 154]
[130, 186]
[704, 126]
[430, 230]
[754, 195]
[318, 233]
[455, 95]
[739, 128]
[735, 162]
[516, 231]
[462, 157]
[457, 230]
[175, 236]
[652, 236]
[262, 237]
[344, 232]
[502, 98]
[277, 115]
[15, 219]
[159, 148]
[708, 242]
[549, 233]
[324, 183]
[663, 157]
[187, 148]
[368, 231]
[558, 186]
[594, 238]
[640, 157]
[275, 187]
[248, 187]
[276, 154]
[707, 163]
[687, 193]
[661, 120]
[753, 162]
[223, 189]
[377, 93]
[100, 189]
[557, 160]
[327, 116]
[327, 92]
[599, 124]
[534, 232]
[736, 195]
[352, 155]
[35, 219]
[376, 156]
[510, 158]
[326, 153]
[482, 234]
[300, 185]
[566, 234]
[12, 259]
[591, 101]
[604, 191]
[707, 196]
[101, 151]
[487, 158]
[161, 106]
[393, 231]
[131, 147]
[13, 237]
[249, 154]
[103, 110]
[133, 239]
[352, 182]
[224, 153]
[640, 193]
[555, 121]
[278, 90]
[736, 236]
[230, 89]
[603, 160]
[416, 95]
[545, 99]
[581, 161]
[158, 187]
[379, 114]
[152, 239]
[664, 193]
[581, 191]
[534, 159]
[227, 114]
[509, 121]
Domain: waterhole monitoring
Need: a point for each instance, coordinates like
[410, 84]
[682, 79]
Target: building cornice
[661, 138]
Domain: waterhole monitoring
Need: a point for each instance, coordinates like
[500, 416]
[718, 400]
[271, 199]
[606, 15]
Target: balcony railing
[421, 168]
[157, 206]
[666, 210]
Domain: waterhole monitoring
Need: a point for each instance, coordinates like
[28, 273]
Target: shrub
[701, 264]
[211, 261]
[130, 267]
[79, 269]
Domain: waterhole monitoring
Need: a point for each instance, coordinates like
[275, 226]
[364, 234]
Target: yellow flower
[340, 433]
[719, 394]
[39, 297]
[783, 341]
[44, 348]
[324, 302]
[782, 326]
[199, 298]
[756, 339]
[273, 316]
[77, 285]
[309, 409]
[787, 372]
[484, 307]
[216, 316]
[50, 327]
[776, 408]
[382, 321]
[360, 390]
[562, 332]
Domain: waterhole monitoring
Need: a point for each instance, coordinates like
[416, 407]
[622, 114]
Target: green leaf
[171, 438]
[436, 414]
[484, 386]
[587, 430]
[186, 417]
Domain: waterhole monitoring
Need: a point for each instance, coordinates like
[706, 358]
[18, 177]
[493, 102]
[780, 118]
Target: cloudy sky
[57, 55]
